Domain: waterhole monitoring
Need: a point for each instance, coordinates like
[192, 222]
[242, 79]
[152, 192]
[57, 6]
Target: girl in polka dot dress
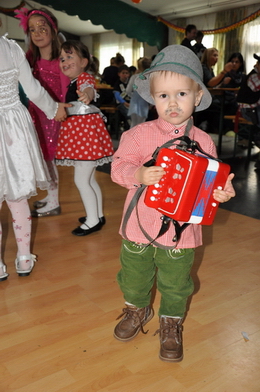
[84, 141]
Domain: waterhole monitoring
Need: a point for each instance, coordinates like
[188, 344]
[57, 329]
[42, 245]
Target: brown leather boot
[133, 322]
[171, 339]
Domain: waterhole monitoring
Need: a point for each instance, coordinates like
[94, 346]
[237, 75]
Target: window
[112, 43]
[208, 40]
[250, 43]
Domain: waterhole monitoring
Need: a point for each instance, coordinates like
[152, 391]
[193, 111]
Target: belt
[80, 108]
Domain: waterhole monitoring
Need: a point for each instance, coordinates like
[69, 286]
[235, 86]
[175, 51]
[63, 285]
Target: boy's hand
[225, 195]
[149, 175]
[61, 114]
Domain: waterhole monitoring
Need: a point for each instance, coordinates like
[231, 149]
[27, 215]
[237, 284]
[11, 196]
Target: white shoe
[25, 264]
[3, 273]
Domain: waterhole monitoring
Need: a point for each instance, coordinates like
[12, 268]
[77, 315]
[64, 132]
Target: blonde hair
[205, 59]
[143, 63]
[154, 74]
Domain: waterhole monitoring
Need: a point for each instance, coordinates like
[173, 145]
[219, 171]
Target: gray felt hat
[179, 59]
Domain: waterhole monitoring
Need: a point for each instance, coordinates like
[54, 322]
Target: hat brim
[179, 59]
[142, 86]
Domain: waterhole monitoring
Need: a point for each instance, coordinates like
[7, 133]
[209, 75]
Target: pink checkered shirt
[136, 148]
[254, 83]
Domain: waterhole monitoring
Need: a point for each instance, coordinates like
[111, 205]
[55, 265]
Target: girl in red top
[84, 141]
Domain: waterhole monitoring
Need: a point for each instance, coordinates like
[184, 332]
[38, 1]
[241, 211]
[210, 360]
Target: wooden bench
[111, 112]
[241, 121]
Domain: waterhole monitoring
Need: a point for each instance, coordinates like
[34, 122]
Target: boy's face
[175, 96]
[124, 75]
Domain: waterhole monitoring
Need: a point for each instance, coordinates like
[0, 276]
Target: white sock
[53, 191]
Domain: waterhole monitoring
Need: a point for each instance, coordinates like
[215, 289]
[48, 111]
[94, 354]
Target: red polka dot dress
[83, 137]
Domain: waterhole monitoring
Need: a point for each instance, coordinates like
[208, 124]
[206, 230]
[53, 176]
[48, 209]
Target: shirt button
[176, 131]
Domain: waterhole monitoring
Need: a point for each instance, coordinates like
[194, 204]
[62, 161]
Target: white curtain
[251, 43]
[112, 43]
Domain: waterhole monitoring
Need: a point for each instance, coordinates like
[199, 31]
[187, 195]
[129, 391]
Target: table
[103, 86]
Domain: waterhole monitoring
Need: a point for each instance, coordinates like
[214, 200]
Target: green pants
[139, 267]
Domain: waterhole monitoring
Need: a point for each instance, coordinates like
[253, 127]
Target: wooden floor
[56, 326]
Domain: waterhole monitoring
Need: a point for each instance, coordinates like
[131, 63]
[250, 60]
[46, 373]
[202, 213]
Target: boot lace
[133, 314]
[172, 329]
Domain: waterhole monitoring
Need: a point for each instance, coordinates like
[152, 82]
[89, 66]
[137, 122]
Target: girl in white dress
[22, 168]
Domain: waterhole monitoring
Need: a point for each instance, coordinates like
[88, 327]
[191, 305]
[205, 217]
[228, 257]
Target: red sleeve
[86, 78]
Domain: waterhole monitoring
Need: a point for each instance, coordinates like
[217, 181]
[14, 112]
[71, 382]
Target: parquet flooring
[56, 326]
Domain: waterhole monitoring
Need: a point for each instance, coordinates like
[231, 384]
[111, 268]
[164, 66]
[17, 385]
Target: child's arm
[86, 88]
[225, 195]
[87, 95]
[127, 167]
[61, 113]
[118, 97]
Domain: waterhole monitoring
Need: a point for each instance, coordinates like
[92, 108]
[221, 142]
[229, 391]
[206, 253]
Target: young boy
[174, 84]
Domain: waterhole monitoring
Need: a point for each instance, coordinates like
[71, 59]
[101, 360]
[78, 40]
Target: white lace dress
[22, 168]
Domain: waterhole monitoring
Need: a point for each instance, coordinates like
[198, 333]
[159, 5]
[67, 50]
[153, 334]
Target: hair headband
[22, 14]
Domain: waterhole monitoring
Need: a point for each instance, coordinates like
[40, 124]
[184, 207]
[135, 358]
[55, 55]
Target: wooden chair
[241, 123]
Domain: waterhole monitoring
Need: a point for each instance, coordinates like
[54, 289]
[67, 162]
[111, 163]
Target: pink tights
[22, 224]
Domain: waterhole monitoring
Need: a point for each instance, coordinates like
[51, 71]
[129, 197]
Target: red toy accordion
[185, 192]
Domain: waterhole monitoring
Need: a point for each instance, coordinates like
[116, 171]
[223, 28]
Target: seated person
[121, 96]
[208, 60]
[110, 77]
[211, 115]
[248, 98]
[233, 79]
[110, 73]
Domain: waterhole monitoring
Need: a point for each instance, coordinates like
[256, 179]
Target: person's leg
[52, 206]
[174, 281]
[175, 285]
[135, 120]
[22, 224]
[95, 186]
[97, 190]
[124, 112]
[3, 273]
[84, 177]
[136, 279]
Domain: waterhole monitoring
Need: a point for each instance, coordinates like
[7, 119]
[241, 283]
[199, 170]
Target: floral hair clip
[22, 14]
